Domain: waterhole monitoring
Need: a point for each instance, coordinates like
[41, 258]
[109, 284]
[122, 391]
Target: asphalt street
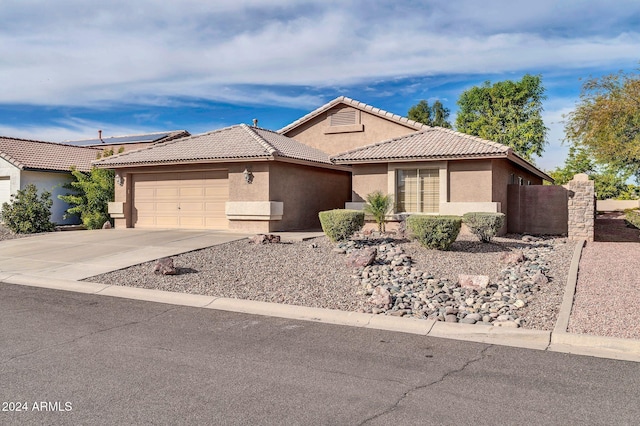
[71, 358]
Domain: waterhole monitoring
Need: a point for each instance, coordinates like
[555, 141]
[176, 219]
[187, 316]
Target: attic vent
[344, 117]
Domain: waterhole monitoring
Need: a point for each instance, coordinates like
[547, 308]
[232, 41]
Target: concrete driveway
[75, 255]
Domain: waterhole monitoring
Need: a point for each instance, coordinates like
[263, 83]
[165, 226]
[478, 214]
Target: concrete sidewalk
[36, 261]
[75, 255]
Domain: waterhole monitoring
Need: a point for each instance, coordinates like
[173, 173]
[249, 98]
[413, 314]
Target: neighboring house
[330, 158]
[129, 142]
[44, 164]
[241, 178]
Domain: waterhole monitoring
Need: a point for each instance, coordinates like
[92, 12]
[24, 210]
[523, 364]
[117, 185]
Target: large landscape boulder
[264, 239]
[473, 281]
[165, 266]
[381, 297]
[361, 258]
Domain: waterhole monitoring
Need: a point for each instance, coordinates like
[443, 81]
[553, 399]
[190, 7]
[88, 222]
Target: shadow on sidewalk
[611, 227]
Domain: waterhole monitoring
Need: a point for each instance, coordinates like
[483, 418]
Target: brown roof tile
[359, 105]
[231, 143]
[37, 155]
[433, 143]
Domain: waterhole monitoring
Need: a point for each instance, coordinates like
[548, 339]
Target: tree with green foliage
[378, 205]
[508, 112]
[26, 213]
[609, 182]
[431, 115]
[607, 121]
[92, 191]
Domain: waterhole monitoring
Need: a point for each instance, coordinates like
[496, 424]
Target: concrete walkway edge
[603, 347]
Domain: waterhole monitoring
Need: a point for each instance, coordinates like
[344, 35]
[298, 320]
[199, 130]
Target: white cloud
[71, 52]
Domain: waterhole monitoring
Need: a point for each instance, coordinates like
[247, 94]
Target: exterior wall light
[248, 175]
[119, 179]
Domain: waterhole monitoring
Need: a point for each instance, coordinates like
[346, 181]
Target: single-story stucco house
[255, 180]
[47, 165]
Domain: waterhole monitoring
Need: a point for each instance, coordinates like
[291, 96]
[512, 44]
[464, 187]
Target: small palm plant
[378, 205]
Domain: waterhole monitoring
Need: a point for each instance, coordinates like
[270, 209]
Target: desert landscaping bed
[526, 277]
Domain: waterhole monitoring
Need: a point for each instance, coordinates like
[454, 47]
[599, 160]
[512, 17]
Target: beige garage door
[180, 200]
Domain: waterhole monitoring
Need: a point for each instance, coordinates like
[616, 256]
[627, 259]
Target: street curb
[603, 347]
[562, 323]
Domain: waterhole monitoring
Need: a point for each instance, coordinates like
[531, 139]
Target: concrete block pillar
[582, 208]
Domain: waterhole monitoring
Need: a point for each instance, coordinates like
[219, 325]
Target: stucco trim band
[254, 210]
[116, 209]
[460, 208]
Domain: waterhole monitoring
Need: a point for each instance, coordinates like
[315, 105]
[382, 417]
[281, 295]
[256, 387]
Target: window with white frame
[418, 190]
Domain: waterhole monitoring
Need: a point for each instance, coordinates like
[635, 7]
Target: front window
[418, 190]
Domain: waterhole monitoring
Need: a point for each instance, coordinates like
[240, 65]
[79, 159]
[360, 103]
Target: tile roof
[37, 155]
[358, 105]
[141, 138]
[238, 142]
[434, 143]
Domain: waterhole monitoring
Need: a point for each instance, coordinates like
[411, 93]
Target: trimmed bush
[483, 225]
[632, 217]
[28, 214]
[340, 224]
[435, 232]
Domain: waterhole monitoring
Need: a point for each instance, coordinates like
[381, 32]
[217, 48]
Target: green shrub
[632, 217]
[483, 225]
[26, 213]
[378, 205]
[435, 232]
[340, 224]
[91, 193]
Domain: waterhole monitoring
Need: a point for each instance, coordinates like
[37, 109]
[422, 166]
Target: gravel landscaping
[526, 278]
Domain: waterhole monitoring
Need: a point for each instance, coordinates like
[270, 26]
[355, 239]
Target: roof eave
[179, 163]
[423, 158]
[528, 166]
[311, 163]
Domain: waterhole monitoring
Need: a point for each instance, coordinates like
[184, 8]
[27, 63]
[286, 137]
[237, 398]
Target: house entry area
[188, 200]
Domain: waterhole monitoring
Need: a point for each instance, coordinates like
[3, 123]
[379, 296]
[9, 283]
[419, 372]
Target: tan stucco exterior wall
[375, 129]
[502, 169]
[305, 191]
[368, 178]
[469, 181]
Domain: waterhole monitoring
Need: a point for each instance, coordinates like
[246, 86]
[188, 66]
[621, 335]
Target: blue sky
[71, 67]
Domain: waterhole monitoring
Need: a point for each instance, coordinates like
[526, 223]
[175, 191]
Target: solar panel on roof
[121, 139]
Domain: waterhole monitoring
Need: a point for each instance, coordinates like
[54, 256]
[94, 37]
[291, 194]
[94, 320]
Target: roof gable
[358, 105]
[238, 142]
[28, 154]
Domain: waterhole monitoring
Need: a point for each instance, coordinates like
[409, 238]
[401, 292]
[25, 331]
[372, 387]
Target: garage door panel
[195, 192]
[170, 193]
[182, 200]
[166, 221]
[191, 208]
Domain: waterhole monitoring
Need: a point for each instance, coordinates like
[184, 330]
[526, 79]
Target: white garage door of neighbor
[180, 200]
